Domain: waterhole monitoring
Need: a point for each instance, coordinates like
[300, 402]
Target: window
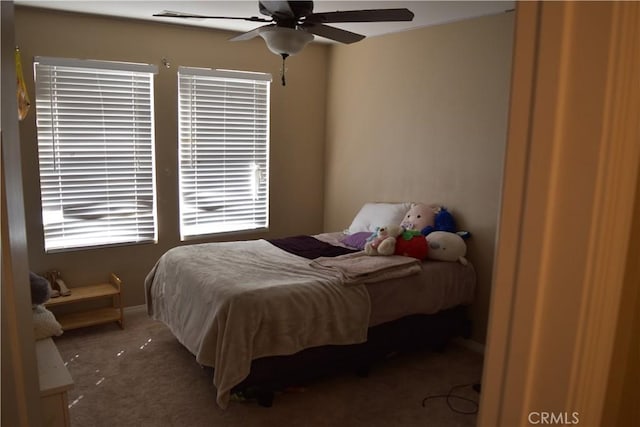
[224, 150]
[95, 147]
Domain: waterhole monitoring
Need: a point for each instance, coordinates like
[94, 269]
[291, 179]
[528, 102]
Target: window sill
[225, 234]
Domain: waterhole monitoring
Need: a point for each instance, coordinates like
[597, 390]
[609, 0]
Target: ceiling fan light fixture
[285, 41]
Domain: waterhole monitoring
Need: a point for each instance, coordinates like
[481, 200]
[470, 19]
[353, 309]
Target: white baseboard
[470, 345]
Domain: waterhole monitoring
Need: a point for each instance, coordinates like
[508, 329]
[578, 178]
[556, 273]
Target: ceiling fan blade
[332, 33]
[249, 34]
[371, 15]
[170, 14]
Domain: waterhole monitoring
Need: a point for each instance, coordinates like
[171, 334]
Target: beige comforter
[229, 303]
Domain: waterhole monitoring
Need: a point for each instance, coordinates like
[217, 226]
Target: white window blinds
[95, 146]
[224, 150]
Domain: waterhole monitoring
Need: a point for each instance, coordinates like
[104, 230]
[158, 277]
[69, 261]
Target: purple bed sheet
[309, 247]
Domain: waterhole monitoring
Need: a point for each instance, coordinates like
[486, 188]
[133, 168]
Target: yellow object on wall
[23, 96]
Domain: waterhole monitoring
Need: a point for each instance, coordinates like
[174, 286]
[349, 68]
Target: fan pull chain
[284, 82]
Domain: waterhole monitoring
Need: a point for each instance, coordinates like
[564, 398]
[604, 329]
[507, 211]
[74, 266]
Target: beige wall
[297, 129]
[422, 116]
[418, 116]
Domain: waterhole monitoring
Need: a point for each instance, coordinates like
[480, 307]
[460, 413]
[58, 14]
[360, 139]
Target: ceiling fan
[292, 24]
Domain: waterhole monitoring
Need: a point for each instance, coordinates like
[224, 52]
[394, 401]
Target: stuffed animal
[419, 217]
[443, 221]
[40, 289]
[45, 324]
[415, 247]
[445, 246]
[412, 242]
[383, 241]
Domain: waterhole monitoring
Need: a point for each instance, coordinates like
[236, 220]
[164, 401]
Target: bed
[271, 313]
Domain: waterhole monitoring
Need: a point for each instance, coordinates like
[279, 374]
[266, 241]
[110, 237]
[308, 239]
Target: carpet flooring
[142, 376]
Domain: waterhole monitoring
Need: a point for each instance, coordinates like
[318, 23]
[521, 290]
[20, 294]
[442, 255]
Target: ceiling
[426, 12]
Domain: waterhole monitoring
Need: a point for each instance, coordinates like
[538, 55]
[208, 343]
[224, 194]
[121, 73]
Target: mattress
[438, 286]
[232, 302]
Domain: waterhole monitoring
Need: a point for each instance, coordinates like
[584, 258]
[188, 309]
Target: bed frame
[271, 374]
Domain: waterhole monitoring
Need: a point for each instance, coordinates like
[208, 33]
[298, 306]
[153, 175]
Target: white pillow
[374, 215]
[45, 324]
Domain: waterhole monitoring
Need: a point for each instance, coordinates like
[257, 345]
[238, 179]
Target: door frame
[569, 188]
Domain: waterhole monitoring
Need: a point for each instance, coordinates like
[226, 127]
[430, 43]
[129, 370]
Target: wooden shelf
[84, 293]
[80, 319]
